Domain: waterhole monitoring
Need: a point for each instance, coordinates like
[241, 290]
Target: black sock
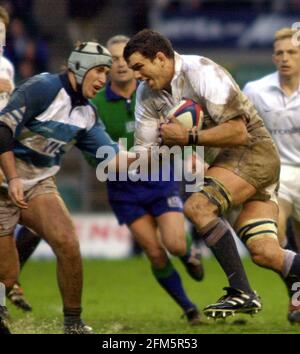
[290, 237]
[289, 281]
[72, 315]
[295, 267]
[218, 237]
[26, 242]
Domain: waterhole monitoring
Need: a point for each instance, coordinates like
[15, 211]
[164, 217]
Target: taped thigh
[216, 192]
[256, 229]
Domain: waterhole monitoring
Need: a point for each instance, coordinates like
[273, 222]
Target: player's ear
[161, 57]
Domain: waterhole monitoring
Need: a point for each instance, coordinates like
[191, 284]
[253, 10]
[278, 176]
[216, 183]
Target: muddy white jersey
[202, 80]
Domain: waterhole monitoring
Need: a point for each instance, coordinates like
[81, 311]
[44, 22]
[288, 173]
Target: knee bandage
[257, 229]
[217, 194]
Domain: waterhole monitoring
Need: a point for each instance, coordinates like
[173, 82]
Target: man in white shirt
[277, 99]
[245, 172]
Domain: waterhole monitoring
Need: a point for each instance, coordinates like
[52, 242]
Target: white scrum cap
[87, 56]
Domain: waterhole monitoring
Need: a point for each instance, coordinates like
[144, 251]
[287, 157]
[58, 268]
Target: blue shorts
[129, 211]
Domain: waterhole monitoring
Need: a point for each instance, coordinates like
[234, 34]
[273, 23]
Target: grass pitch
[123, 297]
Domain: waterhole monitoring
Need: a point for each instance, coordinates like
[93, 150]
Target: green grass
[123, 297]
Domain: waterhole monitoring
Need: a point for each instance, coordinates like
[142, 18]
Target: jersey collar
[77, 98]
[178, 66]
[110, 94]
[275, 83]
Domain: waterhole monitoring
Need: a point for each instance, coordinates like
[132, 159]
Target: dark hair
[148, 42]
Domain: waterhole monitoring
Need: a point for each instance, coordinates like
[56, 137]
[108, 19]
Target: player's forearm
[231, 133]
[8, 165]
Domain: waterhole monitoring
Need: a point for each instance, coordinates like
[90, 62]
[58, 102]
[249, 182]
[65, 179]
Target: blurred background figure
[24, 39]
[83, 15]
[26, 69]
[22, 48]
[277, 99]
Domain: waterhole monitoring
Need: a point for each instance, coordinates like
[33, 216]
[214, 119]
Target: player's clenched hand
[174, 133]
[5, 85]
[16, 192]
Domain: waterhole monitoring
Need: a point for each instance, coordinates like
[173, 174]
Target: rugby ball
[188, 113]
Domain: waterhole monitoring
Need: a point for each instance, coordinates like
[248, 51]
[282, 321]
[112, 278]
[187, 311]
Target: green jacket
[117, 114]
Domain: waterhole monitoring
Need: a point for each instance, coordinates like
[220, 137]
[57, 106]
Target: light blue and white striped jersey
[47, 117]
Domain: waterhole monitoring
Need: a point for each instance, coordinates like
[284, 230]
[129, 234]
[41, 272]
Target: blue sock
[170, 280]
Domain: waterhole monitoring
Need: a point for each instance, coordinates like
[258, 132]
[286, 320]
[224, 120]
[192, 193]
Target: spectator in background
[288, 6]
[26, 69]
[139, 10]
[36, 52]
[83, 14]
[22, 9]
[23, 48]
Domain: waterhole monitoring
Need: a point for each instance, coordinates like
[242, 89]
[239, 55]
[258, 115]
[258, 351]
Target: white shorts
[290, 187]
